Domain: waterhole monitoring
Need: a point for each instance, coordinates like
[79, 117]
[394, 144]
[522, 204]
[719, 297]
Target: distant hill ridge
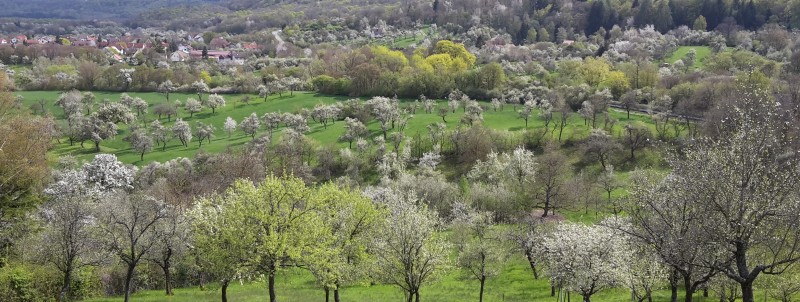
[88, 9]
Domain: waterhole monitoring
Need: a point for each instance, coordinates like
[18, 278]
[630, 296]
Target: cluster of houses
[122, 47]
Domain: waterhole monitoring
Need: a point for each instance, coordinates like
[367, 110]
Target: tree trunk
[327, 294]
[141, 156]
[410, 296]
[546, 204]
[65, 287]
[416, 294]
[531, 261]
[224, 290]
[96, 146]
[674, 293]
[128, 281]
[336, 294]
[747, 292]
[272, 296]
[480, 295]
[587, 298]
[167, 274]
[552, 291]
[687, 283]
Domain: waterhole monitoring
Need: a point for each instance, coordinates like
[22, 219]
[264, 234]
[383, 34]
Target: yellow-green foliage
[456, 51]
[388, 59]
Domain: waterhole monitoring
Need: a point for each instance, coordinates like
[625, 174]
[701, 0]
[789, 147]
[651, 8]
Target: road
[281, 44]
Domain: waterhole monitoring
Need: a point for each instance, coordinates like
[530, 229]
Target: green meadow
[506, 119]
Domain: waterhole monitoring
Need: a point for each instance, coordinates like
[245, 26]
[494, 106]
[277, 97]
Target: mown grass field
[702, 53]
[507, 119]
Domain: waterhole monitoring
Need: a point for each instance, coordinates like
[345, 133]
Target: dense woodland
[641, 151]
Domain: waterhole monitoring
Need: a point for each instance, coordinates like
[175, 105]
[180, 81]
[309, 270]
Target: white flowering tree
[192, 106]
[141, 142]
[199, 88]
[385, 111]
[526, 111]
[473, 112]
[353, 130]
[263, 91]
[326, 114]
[296, 122]
[214, 101]
[250, 125]
[272, 121]
[166, 88]
[410, 251]
[160, 134]
[230, 126]
[585, 259]
[71, 102]
[512, 172]
[182, 131]
[427, 104]
[107, 173]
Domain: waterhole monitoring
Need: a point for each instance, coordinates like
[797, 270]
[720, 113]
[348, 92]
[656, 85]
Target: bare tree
[551, 176]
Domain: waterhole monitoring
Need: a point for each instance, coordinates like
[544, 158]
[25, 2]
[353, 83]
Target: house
[180, 56]
[212, 54]
[568, 42]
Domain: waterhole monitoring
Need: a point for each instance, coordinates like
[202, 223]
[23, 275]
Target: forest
[400, 151]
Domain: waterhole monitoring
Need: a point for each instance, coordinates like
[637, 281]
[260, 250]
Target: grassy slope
[702, 53]
[515, 283]
[506, 119]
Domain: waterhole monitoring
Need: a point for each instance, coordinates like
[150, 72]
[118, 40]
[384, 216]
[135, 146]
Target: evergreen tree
[663, 17]
[596, 18]
[700, 23]
[644, 15]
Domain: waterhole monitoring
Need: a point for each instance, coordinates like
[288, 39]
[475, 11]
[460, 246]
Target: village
[124, 48]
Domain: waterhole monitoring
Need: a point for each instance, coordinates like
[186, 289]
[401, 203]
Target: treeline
[434, 72]
[528, 22]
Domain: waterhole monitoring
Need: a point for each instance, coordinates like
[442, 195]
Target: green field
[515, 283]
[506, 119]
[702, 53]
